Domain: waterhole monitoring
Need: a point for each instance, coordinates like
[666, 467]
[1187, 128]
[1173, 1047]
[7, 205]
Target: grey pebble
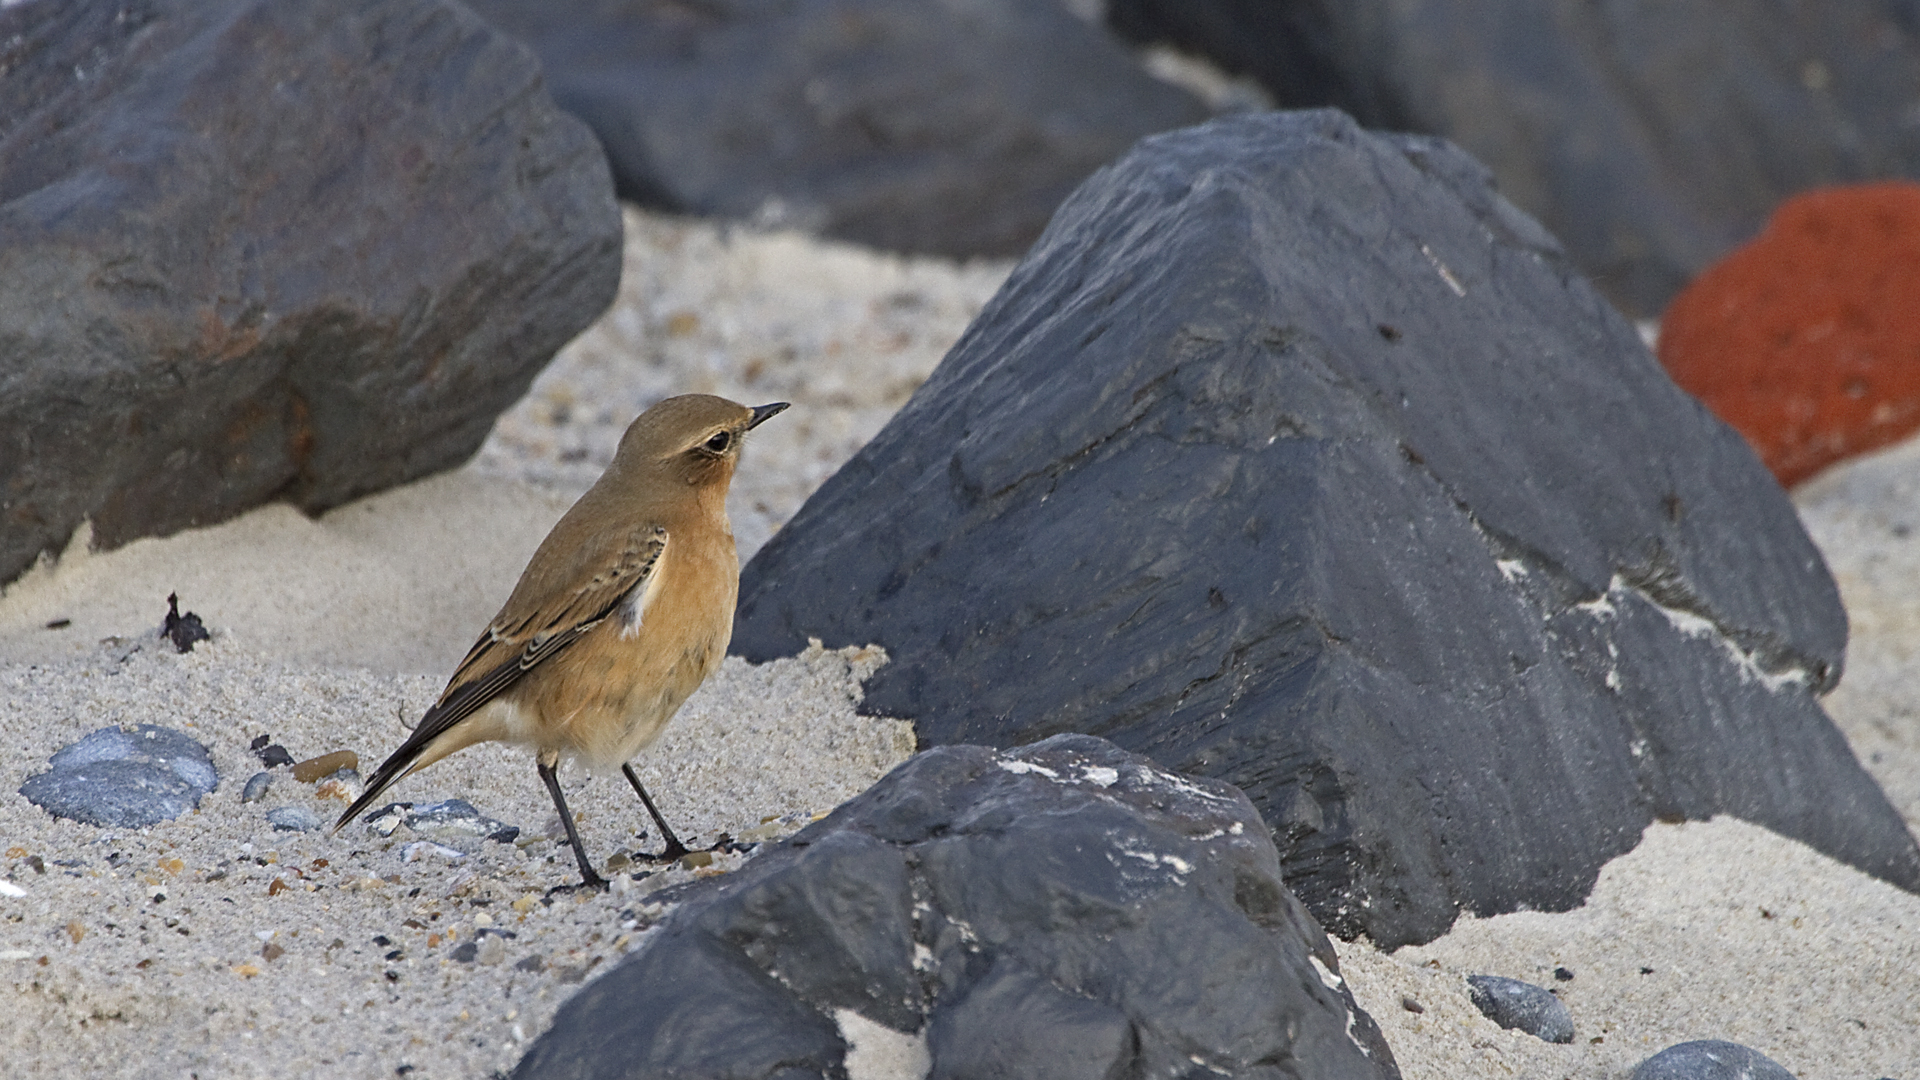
[465, 952]
[126, 778]
[292, 819]
[1710, 1059]
[256, 788]
[448, 822]
[1521, 1006]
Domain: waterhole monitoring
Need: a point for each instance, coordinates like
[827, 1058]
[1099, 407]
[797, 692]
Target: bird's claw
[591, 881]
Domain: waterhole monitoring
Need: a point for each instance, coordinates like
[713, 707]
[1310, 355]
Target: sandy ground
[215, 945]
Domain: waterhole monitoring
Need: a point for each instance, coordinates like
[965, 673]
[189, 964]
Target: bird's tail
[399, 764]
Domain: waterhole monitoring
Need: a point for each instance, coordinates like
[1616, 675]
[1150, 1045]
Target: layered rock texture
[1067, 911]
[1294, 456]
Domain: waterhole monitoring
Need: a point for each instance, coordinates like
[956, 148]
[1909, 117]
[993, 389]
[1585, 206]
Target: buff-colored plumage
[625, 608]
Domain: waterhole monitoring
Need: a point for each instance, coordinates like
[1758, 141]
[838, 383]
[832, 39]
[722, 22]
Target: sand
[215, 945]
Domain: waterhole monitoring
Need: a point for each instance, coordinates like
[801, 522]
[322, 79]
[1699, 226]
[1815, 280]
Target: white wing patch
[634, 611]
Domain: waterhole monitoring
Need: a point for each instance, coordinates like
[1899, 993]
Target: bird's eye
[720, 441]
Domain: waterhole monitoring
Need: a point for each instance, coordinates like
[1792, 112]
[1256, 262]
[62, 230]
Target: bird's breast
[625, 680]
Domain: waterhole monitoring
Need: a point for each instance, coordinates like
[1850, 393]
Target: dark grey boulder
[1651, 138]
[1710, 1059]
[1295, 457]
[946, 128]
[254, 250]
[1521, 1006]
[127, 777]
[1065, 910]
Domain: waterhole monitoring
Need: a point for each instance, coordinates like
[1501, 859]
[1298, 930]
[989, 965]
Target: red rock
[1807, 340]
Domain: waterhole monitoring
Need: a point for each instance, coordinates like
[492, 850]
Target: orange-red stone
[1807, 340]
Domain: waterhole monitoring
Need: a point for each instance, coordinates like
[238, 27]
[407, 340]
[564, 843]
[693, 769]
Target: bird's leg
[589, 879]
[674, 848]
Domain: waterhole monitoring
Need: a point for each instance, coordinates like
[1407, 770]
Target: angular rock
[1710, 1059]
[124, 777]
[1651, 138]
[1063, 910]
[1807, 340]
[1521, 1006]
[945, 128]
[1295, 457]
[254, 250]
[256, 788]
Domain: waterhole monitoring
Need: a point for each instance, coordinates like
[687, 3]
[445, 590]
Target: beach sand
[215, 945]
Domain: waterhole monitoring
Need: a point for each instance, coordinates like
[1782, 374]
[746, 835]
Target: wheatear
[624, 610]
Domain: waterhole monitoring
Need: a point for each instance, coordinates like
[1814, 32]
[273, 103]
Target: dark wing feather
[508, 650]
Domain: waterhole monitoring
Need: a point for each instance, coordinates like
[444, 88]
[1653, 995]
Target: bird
[624, 610]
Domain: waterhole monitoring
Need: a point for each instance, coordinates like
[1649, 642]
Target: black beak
[763, 413]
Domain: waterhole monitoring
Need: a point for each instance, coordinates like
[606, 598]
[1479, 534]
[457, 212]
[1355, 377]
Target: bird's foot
[593, 882]
[674, 852]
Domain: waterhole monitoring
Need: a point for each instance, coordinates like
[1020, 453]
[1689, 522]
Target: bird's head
[693, 439]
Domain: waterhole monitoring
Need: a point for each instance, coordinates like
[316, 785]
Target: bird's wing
[519, 640]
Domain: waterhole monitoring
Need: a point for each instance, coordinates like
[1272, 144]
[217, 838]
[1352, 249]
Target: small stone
[292, 819]
[1521, 1006]
[325, 765]
[533, 964]
[455, 821]
[693, 860]
[1562, 974]
[271, 952]
[256, 788]
[124, 777]
[386, 819]
[1710, 1059]
[343, 786]
[1411, 1005]
[465, 952]
[492, 950]
[420, 849]
[616, 862]
[275, 756]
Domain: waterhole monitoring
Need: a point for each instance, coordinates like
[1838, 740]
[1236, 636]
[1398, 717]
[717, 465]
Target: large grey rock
[1066, 910]
[1651, 138]
[1295, 457]
[931, 127]
[254, 250]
